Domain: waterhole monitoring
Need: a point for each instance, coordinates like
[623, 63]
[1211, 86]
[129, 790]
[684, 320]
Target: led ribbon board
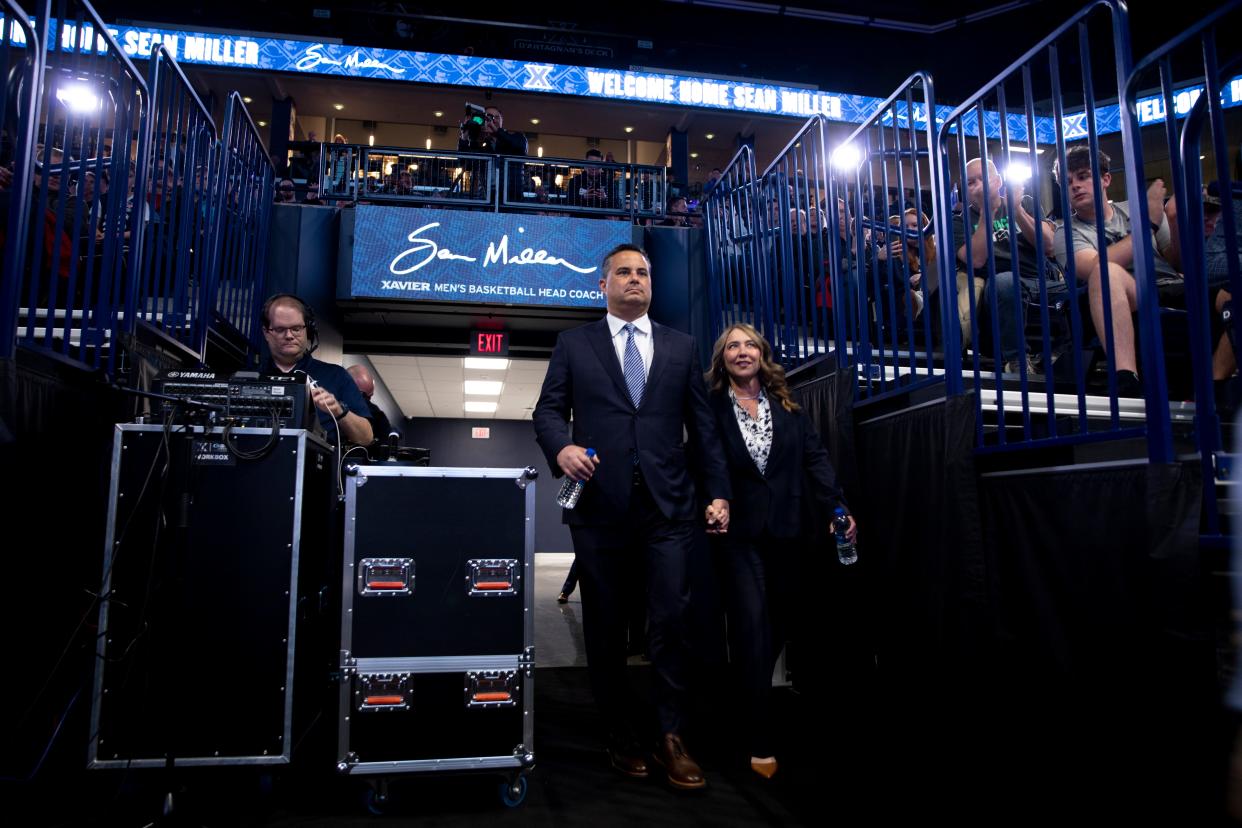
[498, 258]
[279, 55]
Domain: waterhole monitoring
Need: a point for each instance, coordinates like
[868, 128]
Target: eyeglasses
[296, 330]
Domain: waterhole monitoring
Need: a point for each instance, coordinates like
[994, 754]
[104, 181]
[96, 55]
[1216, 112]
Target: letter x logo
[537, 76]
[1074, 126]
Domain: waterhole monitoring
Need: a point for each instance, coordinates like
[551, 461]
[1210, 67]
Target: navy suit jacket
[585, 382]
[798, 474]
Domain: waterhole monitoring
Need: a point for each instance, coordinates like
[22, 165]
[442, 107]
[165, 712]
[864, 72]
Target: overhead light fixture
[79, 98]
[262, 123]
[535, 121]
[709, 136]
[428, 143]
[338, 107]
[371, 139]
[480, 407]
[539, 151]
[1018, 172]
[846, 157]
[247, 99]
[694, 155]
[438, 114]
[483, 388]
[486, 364]
[629, 129]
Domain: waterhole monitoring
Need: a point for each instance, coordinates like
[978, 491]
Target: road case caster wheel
[376, 801]
[513, 794]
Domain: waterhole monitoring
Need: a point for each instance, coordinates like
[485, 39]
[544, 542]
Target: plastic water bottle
[847, 552]
[571, 489]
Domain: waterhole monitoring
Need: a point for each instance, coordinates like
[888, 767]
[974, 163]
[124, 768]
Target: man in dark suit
[632, 389]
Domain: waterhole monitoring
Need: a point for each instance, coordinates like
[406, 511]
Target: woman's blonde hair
[771, 374]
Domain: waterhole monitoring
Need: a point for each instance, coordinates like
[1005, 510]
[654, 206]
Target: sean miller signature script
[424, 250]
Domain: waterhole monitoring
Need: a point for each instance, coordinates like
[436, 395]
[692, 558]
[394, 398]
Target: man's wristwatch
[344, 411]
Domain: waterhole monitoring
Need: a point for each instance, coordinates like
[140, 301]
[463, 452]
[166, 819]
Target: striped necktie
[632, 367]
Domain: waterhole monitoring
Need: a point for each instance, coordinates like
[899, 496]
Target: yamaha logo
[191, 375]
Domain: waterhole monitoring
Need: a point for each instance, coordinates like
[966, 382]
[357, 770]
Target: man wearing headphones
[291, 334]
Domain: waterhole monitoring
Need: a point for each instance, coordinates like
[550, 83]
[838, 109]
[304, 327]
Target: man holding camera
[483, 131]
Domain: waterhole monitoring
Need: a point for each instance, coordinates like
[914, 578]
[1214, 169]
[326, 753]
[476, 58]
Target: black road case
[215, 573]
[437, 638]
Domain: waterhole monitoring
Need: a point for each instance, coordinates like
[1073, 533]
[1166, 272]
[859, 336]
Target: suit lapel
[600, 337]
[661, 341]
[732, 434]
[782, 436]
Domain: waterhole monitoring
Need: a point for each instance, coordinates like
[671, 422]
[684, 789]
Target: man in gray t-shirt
[1079, 179]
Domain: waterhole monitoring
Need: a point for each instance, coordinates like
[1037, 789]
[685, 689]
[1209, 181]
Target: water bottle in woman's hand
[847, 552]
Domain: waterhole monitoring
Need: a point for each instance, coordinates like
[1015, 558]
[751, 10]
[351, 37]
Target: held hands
[575, 464]
[717, 517]
[325, 401]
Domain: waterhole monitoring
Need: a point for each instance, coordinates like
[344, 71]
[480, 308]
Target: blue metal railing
[19, 109]
[243, 202]
[735, 269]
[1201, 274]
[86, 223]
[403, 175]
[1024, 406]
[172, 277]
[885, 268]
[790, 232]
[593, 189]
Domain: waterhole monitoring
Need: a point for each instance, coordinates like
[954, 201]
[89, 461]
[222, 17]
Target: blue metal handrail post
[13, 257]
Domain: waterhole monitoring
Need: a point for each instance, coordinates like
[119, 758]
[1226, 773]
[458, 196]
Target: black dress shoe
[628, 759]
[683, 772]
[562, 598]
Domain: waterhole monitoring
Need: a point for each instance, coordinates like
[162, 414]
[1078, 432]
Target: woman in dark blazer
[777, 464]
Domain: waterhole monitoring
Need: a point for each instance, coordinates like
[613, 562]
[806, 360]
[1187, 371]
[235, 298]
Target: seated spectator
[312, 195]
[919, 256]
[285, 191]
[1005, 292]
[1220, 298]
[592, 188]
[677, 214]
[1080, 180]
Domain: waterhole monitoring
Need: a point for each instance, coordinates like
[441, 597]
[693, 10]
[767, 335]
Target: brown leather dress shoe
[628, 759]
[683, 772]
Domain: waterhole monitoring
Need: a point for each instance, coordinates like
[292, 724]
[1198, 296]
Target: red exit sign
[489, 343]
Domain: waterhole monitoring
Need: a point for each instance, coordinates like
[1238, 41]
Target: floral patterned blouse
[756, 431]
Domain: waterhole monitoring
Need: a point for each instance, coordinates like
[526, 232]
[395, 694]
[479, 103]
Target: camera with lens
[472, 126]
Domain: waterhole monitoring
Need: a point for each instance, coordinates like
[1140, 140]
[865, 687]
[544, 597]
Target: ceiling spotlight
[247, 99]
[428, 143]
[78, 98]
[694, 155]
[846, 157]
[438, 114]
[535, 121]
[709, 136]
[262, 123]
[338, 107]
[629, 129]
[539, 151]
[371, 140]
